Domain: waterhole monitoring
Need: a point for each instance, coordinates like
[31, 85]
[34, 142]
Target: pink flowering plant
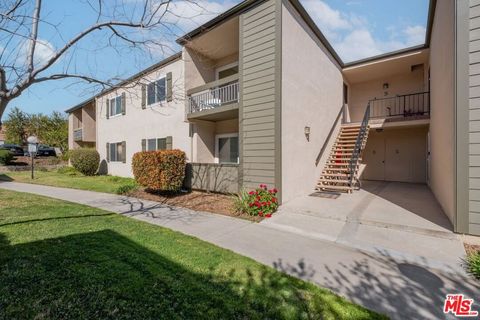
[259, 202]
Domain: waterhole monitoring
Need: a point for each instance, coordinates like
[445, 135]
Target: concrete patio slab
[402, 219]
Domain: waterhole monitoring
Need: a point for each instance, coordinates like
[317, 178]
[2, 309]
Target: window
[228, 70]
[117, 152]
[154, 144]
[116, 106]
[151, 144]
[156, 91]
[226, 148]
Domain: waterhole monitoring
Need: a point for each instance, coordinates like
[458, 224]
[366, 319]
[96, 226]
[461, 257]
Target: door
[397, 158]
[374, 156]
[396, 155]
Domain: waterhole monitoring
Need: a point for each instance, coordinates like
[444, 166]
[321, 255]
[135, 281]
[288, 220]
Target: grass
[60, 260]
[70, 179]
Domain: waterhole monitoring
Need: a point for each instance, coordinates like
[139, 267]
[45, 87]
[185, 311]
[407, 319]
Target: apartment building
[258, 95]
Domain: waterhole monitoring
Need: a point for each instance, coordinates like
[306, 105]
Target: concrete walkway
[375, 279]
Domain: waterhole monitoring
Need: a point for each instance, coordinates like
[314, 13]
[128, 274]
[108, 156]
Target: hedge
[162, 170]
[85, 160]
[5, 157]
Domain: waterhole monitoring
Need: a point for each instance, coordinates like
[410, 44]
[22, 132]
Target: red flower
[251, 193]
[257, 204]
[275, 190]
[250, 205]
[260, 213]
[258, 198]
[274, 200]
[269, 203]
[268, 215]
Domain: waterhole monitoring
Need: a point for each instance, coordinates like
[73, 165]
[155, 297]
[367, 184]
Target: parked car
[46, 151]
[16, 150]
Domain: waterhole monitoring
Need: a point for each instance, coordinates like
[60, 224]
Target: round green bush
[85, 161]
[5, 157]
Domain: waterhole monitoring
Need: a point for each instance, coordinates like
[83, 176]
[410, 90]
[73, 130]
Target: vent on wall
[416, 67]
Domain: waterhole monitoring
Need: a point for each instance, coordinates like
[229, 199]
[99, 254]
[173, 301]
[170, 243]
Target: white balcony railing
[214, 94]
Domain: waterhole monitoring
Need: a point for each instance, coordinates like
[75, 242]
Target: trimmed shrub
[260, 202]
[5, 157]
[85, 161]
[162, 170]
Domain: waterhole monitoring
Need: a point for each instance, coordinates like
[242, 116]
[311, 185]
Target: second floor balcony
[78, 134]
[215, 100]
[402, 107]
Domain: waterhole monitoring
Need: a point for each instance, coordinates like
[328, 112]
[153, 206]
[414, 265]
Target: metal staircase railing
[358, 145]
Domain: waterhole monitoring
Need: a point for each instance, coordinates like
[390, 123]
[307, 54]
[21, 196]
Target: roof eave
[385, 55]
[230, 13]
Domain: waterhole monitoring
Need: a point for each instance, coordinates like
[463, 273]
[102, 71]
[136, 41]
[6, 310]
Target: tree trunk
[3, 105]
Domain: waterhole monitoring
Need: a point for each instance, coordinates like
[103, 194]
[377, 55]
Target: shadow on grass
[6, 178]
[104, 275]
[56, 218]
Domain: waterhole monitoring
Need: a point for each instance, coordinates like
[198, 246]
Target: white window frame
[156, 103]
[217, 146]
[225, 67]
[110, 115]
[156, 143]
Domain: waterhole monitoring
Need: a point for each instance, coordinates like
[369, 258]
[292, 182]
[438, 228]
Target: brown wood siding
[474, 118]
[258, 63]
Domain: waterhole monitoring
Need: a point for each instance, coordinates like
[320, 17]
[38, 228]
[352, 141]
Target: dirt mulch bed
[39, 161]
[471, 248]
[196, 200]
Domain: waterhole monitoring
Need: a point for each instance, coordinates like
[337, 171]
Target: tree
[19, 28]
[51, 129]
[16, 126]
[55, 133]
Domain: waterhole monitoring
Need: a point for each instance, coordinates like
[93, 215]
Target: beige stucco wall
[204, 132]
[83, 118]
[157, 121]
[311, 96]
[200, 70]
[89, 123]
[396, 154]
[71, 121]
[399, 84]
[442, 107]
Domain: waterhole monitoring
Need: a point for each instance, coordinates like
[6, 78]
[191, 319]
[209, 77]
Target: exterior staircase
[342, 167]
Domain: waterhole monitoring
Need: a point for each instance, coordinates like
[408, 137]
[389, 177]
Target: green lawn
[109, 184]
[60, 260]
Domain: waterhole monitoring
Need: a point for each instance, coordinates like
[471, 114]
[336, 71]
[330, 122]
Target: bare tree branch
[22, 21]
[33, 35]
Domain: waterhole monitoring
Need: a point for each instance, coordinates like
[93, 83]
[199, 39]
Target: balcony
[78, 134]
[217, 100]
[401, 107]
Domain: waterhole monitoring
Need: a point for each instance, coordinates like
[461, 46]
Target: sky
[356, 29]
